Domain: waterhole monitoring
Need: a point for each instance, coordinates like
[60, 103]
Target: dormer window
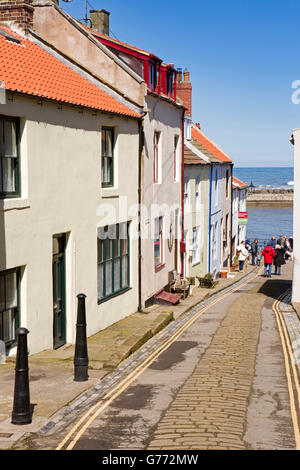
[153, 76]
[170, 84]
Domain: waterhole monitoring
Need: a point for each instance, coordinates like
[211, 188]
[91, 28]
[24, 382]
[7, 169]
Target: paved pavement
[107, 350]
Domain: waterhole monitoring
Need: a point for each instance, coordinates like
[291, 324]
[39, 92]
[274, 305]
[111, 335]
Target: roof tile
[200, 137]
[29, 69]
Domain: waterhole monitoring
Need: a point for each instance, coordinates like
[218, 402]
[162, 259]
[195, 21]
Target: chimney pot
[184, 90]
[198, 125]
[99, 21]
[186, 75]
[179, 75]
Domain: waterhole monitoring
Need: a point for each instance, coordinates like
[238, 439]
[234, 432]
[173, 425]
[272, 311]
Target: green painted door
[59, 291]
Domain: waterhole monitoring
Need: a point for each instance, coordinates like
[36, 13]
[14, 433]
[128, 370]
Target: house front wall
[226, 185]
[72, 40]
[215, 219]
[242, 208]
[197, 218]
[161, 199]
[60, 156]
[235, 225]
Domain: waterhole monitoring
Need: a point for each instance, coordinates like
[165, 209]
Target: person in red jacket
[268, 254]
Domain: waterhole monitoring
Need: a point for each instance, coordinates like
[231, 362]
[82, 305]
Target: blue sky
[243, 56]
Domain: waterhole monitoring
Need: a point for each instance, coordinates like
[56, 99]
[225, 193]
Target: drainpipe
[209, 219]
[182, 191]
[141, 146]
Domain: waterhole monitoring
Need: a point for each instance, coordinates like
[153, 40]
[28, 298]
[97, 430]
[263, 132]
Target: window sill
[109, 192]
[116, 294]
[159, 267]
[14, 203]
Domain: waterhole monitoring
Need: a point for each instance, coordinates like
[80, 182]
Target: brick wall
[184, 90]
[18, 12]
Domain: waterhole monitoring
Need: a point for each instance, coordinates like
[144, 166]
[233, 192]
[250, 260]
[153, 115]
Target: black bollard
[21, 410]
[81, 360]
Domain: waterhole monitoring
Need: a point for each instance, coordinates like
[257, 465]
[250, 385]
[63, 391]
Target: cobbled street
[221, 385]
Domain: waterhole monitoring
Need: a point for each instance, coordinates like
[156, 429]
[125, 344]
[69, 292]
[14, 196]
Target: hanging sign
[243, 218]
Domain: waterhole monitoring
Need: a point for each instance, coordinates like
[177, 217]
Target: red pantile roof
[28, 68]
[199, 136]
[236, 183]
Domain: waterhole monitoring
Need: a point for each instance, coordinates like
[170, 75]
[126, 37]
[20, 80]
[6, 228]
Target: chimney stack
[184, 90]
[18, 13]
[99, 21]
[179, 75]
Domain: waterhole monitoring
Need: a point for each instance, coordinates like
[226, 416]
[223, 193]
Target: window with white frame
[9, 305]
[196, 245]
[107, 156]
[9, 157]
[186, 193]
[216, 187]
[214, 241]
[197, 193]
[158, 242]
[156, 157]
[176, 159]
[113, 260]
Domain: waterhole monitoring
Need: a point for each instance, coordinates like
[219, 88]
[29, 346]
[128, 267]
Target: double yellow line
[290, 369]
[82, 425]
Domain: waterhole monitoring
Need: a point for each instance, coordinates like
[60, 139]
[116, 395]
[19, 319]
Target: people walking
[258, 258]
[272, 242]
[242, 254]
[279, 259]
[254, 250]
[268, 254]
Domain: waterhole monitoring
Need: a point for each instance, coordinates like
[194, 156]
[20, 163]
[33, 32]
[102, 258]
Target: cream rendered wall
[61, 193]
[198, 218]
[165, 118]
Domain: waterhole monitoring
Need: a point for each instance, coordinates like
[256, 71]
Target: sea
[263, 222]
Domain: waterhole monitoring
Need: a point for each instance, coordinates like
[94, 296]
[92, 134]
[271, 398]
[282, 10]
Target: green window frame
[113, 261]
[9, 305]
[107, 150]
[9, 157]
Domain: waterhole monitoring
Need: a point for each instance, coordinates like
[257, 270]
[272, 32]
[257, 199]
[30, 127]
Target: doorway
[59, 290]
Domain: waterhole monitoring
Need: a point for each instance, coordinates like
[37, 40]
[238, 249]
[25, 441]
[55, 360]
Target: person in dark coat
[272, 242]
[279, 258]
[254, 250]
